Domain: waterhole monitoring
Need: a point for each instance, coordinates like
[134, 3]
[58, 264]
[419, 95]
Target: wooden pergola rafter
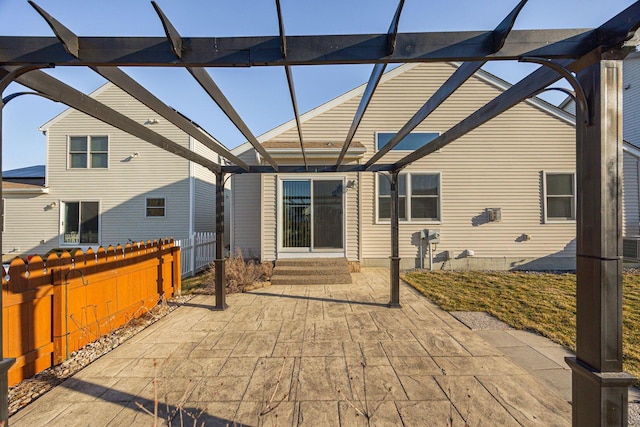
[589, 58]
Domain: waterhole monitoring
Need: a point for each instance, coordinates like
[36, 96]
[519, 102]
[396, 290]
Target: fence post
[176, 270]
[60, 307]
[192, 242]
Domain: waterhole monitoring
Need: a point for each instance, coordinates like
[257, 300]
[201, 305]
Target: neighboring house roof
[358, 91]
[312, 145]
[20, 188]
[37, 171]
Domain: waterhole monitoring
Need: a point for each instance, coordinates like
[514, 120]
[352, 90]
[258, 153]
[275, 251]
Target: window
[156, 207]
[80, 223]
[411, 142]
[418, 194]
[560, 191]
[88, 152]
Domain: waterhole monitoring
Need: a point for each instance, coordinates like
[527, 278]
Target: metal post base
[602, 396]
[221, 285]
[394, 271]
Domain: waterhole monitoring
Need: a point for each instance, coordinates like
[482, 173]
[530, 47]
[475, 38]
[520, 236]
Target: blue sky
[259, 94]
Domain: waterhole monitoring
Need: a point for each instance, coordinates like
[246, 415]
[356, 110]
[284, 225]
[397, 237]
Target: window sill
[560, 221]
[435, 222]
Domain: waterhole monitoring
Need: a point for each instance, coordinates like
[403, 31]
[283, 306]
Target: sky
[259, 94]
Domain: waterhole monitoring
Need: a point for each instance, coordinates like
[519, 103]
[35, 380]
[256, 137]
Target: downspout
[192, 213]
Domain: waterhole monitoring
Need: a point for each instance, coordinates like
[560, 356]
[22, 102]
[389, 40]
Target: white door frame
[310, 252]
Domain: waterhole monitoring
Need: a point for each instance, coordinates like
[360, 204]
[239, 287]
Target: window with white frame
[80, 223]
[156, 207]
[560, 196]
[418, 196]
[411, 142]
[88, 152]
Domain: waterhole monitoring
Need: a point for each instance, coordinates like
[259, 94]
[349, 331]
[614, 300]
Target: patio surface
[319, 356]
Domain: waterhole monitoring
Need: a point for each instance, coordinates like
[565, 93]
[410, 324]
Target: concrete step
[309, 262]
[314, 271]
[311, 280]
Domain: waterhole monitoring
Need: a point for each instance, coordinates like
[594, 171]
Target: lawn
[542, 302]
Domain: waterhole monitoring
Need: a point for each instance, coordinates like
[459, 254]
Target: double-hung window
[418, 196]
[88, 152]
[560, 196]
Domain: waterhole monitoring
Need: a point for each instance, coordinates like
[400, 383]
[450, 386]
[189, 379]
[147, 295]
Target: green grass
[542, 302]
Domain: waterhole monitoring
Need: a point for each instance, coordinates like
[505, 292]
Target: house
[103, 186]
[631, 153]
[501, 197]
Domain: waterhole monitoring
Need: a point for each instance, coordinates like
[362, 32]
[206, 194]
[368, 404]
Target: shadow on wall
[551, 262]
[123, 223]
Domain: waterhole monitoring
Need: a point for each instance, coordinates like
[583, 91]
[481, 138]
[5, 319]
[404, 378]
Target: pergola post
[394, 265]
[221, 285]
[599, 386]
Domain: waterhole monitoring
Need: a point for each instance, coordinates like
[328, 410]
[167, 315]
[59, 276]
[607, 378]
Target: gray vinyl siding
[205, 194]
[631, 195]
[246, 195]
[122, 189]
[631, 99]
[500, 164]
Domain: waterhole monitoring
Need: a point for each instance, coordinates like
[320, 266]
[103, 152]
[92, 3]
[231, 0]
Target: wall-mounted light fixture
[152, 122]
[352, 184]
[53, 204]
[134, 155]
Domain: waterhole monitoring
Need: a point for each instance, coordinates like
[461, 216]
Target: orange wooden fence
[53, 307]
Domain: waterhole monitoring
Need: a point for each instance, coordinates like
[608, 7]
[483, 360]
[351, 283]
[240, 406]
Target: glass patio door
[312, 215]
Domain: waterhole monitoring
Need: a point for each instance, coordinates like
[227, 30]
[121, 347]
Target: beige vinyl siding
[631, 98]
[246, 216]
[123, 187]
[28, 220]
[269, 215]
[500, 164]
[630, 195]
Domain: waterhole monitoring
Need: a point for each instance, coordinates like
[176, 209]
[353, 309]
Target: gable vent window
[88, 152]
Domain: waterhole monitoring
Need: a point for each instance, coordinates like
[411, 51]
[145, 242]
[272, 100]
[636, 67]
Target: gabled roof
[358, 91]
[70, 110]
[37, 171]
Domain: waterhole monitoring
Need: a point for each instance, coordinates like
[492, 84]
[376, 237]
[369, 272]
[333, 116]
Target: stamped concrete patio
[306, 355]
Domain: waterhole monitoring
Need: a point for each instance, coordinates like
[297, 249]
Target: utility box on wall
[433, 236]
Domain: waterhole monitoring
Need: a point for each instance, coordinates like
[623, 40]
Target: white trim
[544, 197]
[631, 149]
[36, 190]
[310, 252]
[408, 196]
[192, 189]
[45, 127]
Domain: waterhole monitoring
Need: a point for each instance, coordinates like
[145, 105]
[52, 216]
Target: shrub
[240, 275]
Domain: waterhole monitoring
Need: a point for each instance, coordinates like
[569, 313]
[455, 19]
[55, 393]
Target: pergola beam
[206, 82]
[374, 80]
[136, 90]
[302, 50]
[457, 79]
[43, 83]
[67, 37]
[289, 74]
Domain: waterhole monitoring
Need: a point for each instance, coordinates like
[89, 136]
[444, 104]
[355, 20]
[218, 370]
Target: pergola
[590, 60]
